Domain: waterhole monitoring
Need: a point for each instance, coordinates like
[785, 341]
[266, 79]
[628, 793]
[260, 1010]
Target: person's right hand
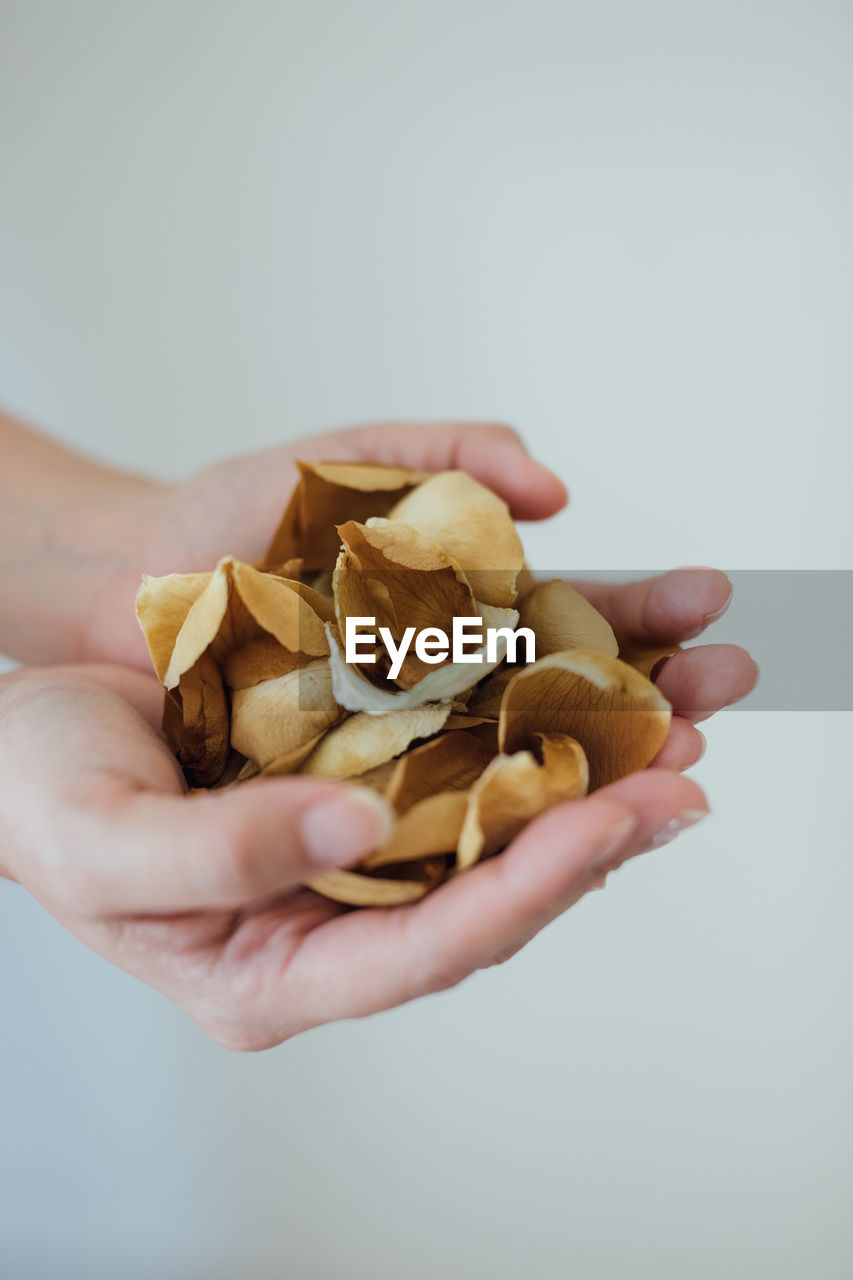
[200, 895]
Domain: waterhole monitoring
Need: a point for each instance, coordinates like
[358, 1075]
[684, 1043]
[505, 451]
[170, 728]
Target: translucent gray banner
[797, 624]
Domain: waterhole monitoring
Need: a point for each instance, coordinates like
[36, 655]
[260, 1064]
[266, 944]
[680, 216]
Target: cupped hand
[200, 895]
[233, 507]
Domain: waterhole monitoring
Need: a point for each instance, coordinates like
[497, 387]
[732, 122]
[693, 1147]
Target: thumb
[149, 853]
[492, 452]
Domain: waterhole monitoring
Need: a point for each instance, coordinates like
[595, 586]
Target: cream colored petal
[327, 494]
[377, 778]
[357, 890]
[514, 789]
[356, 693]
[291, 760]
[462, 720]
[471, 524]
[431, 826]
[561, 618]
[201, 624]
[364, 741]
[162, 605]
[273, 719]
[259, 660]
[289, 611]
[619, 718]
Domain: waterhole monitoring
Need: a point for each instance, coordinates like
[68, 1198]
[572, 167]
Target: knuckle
[502, 431]
[441, 977]
[227, 868]
[504, 955]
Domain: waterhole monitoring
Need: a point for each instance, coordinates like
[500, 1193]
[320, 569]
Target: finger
[677, 605]
[699, 682]
[489, 451]
[684, 747]
[371, 960]
[134, 852]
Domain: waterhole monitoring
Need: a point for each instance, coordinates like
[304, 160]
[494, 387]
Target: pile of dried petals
[466, 754]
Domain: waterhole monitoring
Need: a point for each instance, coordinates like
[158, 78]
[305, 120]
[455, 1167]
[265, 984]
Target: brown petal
[471, 524]
[450, 762]
[364, 741]
[394, 574]
[644, 658]
[273, 719]
[619, 718]
[486, 699]
[195, 722]
[431, 826]
[326, 495]
[357, 890]
[561, 618]
[513, 789]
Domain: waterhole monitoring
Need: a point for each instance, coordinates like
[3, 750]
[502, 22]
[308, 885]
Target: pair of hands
[200, 896]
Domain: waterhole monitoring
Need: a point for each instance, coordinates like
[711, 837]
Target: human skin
[200, 895]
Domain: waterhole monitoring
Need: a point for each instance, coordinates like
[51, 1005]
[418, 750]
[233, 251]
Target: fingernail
[345, 828]
[713, 616]
[681, 821]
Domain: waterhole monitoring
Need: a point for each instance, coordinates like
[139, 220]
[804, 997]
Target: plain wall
[625, 228]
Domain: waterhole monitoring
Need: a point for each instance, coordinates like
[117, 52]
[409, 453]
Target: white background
[624, 227]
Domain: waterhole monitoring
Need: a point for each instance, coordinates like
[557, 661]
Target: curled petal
[450, 762]
[271, 720]
[358, 890]
[619, 717]
[162, 605]
[326, 495]
[513, 789]
[561, 618]
[473, 526]
[394, 574]
[195, 722]
[364, 741]
[644, 658]
[431, 826]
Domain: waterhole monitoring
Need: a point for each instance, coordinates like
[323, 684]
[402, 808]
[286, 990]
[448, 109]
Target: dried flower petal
[513, 789]
[431, 826]
[195, 722]
[619, 717]
[394, 574]
[277, 717]
[326, 495]
[364, 741]
[644, 658]
[561, 618]
[473, 526]
[450, 762]
[392, 890]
